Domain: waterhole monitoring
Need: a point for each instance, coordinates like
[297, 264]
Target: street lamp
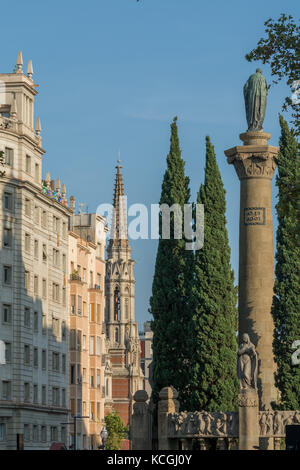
[103, 435]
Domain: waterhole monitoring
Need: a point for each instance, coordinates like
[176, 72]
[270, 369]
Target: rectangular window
[27, 242]
[26, 355]
[64, 230]
[63, 330]
[44, 219]
[7, 237]
[44, 401]
[36, 215]
[44, 323]
[92, 345]
[72, 406]
[84, 342]
[7, 275]
[8, 201]
[44, 289]
[36, 357]
[5, 390]
[55, 361]
[98, 409]
[6, 313]
[64, 262]
[26, 432]
[26, 392]
[36, 249]
[79, 304]
[72, 374]
[36, 173]
[27, 207]
[36, 285]
[27, 317]
[44, 359]
[98, 378]
[63, 364]
[2, 432]
[92, 378]
[92, 410]
[63, 397]
[35, 393]
[43, 433]
[35, 433]
[98, 313]
[92, 312]
[44, 253]
[72, 340]
[78, 346]
[54, 434]
[9, 154]
[73, 301]
[36, 322]
[64, 296]
[7, 352]
[98, 346]
[27, 280]
[28, 164]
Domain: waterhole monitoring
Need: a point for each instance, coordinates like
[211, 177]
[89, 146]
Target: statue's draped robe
[255, 94]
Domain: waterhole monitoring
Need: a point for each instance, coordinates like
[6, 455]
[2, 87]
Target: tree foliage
[286, 300]
[281, 50]
[116, 431]
[170, 289]
[214, 298]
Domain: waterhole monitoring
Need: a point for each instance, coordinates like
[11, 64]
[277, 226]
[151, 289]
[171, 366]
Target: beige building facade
[33, 263]
[87, 357]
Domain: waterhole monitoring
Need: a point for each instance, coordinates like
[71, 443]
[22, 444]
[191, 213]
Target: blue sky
[113, 73]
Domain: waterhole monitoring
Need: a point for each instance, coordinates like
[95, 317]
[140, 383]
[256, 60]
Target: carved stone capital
[254, 164]
[254, 159]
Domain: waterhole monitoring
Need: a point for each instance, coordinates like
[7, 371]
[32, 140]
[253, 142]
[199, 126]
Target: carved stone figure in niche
[263, 424]
[269, 422]
[278, 423]
[201, 423]
[208, 421]
[247, 364]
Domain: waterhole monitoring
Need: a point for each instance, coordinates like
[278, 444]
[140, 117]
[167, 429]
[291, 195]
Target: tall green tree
[214, 299]
[169, 303]
[281, 50]
[286, 300]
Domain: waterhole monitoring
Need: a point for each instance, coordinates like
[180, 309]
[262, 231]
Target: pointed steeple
[119, 235]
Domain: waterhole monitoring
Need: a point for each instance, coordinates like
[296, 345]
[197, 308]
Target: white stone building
[34, 218]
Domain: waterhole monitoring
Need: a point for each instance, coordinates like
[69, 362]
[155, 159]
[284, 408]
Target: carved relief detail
[253, 165]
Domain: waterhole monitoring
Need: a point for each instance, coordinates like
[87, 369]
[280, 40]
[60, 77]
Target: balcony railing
[75, 277]
[7, 123]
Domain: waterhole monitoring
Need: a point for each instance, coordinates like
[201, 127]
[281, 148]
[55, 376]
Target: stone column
[167, 404]
[255, 165]
[248, 420]
[141, 422]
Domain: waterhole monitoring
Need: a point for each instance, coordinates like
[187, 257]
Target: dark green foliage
[281, 50]
[214, 297]
[170, 289]
[286, 300]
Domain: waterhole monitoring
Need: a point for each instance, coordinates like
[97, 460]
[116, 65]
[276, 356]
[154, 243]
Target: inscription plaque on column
[254, 216]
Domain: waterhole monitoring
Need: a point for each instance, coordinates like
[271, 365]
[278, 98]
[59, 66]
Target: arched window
[117, 335]
[117, 304]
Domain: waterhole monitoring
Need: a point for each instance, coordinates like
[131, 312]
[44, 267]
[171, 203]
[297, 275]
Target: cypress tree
[214, 298]
[170, 289]
[286, 300]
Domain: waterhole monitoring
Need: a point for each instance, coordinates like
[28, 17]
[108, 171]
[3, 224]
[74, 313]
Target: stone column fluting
[255, 165]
